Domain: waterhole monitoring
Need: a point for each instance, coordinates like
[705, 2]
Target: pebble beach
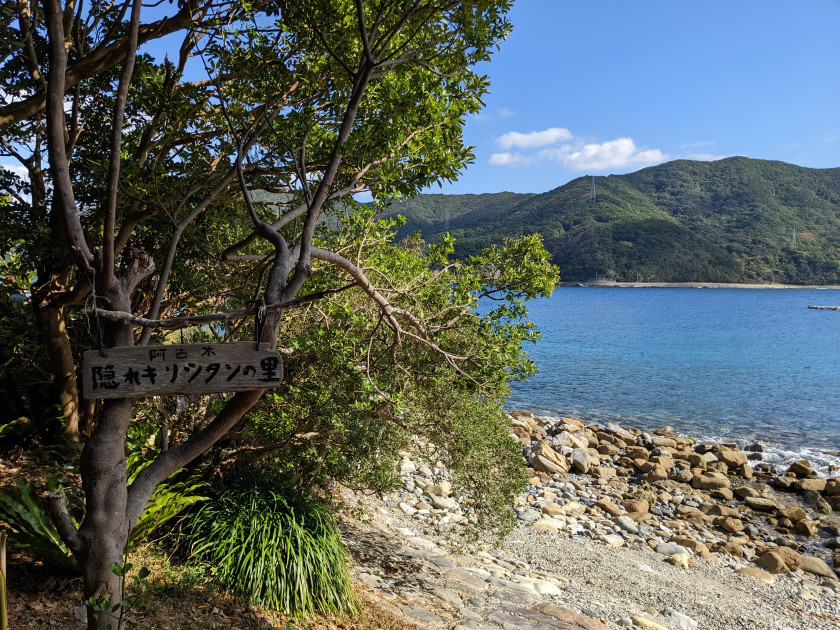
[617, 529]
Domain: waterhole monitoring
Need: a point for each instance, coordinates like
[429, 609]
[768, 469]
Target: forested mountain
[731, 220]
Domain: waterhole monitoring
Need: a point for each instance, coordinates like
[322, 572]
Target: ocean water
[717, 364]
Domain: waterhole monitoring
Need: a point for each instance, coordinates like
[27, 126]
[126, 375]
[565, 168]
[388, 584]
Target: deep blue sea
[729, 364]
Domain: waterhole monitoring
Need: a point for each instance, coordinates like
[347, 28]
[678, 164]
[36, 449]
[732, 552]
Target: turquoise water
[740, 364]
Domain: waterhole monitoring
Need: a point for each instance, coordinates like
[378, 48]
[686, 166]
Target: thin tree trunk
[53, 328]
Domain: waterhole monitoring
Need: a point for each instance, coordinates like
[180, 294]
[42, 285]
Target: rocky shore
[617, 529]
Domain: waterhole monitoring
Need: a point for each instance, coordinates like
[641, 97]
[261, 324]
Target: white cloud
[704, 157]
[533, 139]
[17, 169]
[510, 159]
[505, 112]
[619, 153]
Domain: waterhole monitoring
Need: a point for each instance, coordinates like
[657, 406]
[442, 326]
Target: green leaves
[282, 551]
[32, 528]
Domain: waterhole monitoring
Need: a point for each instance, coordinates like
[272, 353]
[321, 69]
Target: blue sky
[610, 86]
[593, 87]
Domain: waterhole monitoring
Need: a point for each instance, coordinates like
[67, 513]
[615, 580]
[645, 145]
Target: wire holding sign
[132, 372]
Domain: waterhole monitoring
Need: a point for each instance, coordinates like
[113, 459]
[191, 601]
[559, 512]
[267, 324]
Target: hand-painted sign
[206, 368]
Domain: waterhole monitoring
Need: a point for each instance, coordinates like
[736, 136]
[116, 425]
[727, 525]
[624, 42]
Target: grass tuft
[281, 550]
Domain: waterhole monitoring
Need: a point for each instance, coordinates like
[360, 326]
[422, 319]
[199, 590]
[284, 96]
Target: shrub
[281, 550]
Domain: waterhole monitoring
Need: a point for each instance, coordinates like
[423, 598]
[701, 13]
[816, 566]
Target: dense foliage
[134, 223]
[278, 549]
[730, 220]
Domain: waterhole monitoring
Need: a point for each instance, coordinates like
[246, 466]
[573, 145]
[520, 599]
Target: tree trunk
[104, 529]
[53, 327]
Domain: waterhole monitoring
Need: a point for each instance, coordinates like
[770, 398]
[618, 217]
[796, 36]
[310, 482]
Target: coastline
[695, 285]
[617, 529]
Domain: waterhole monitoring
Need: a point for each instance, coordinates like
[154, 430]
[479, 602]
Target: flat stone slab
[422, 615]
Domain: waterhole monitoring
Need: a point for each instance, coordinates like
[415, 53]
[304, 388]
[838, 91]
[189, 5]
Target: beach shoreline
[618, 528]
[695, 285]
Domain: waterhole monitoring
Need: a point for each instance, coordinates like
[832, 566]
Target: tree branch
[109, 222]
[64, 524]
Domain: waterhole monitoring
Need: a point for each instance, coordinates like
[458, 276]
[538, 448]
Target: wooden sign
[199, 368]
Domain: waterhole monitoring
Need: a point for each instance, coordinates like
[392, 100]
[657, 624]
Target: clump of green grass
[279, 549]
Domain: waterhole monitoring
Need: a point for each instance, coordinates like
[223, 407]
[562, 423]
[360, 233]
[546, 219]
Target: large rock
[544, 464]
[573, 508]
[710, 481]
[732, 525]
[732, 459]
[810, 564]
[552, 509]
[580, 460]
[806, 528]
[609, 507]
[815, 500]
[803, 485]
[546, 525]
[636, 505]
[802, 468]
[761, 504]
[441, 488]
[569, 616]
[792, 512]
[772, 563]
[657, 473]
[445, 503]
[564, 438]
[791, 557]
[696, 546]
[832, 487]
[670, 549]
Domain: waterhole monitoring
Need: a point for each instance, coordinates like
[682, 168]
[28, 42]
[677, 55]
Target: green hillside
[730, 220]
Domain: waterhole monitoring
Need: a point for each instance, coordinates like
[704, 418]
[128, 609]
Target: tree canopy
[144, 135]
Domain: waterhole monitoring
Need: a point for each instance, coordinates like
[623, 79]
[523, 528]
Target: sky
[595, 87]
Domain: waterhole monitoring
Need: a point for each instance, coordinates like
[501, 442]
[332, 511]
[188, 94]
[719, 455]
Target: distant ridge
[730, 220]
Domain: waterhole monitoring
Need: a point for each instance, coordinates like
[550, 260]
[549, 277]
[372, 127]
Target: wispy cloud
[505, 112]
[511, 159]
[534, 139]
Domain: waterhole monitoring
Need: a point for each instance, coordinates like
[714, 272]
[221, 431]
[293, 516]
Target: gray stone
[529, 516]
[670, 549]
[580, 460]
[627, 524]
[422, 615]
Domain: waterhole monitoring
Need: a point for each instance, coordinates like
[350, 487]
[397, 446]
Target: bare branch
[64, 524]
[109, 222]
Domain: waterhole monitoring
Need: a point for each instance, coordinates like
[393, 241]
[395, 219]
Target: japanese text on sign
[180, 369]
